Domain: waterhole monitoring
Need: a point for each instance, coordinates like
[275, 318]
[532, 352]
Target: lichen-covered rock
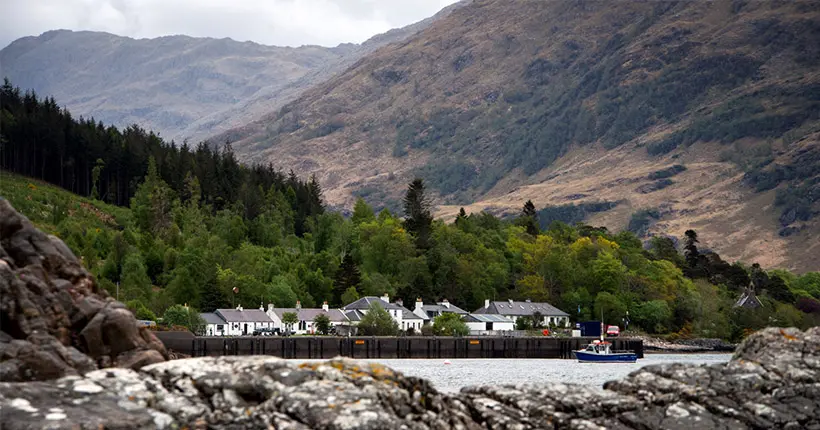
[773, 381]
[54, 320]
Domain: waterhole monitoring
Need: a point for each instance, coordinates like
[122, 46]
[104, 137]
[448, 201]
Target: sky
[269, 22]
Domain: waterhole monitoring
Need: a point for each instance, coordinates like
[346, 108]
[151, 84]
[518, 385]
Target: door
[245, 331]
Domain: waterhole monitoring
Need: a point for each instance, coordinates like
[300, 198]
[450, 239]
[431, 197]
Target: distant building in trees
[748, 299]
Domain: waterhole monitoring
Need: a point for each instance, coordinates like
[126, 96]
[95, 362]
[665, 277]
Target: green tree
[450, 324]
[349, 296]
[152, 203]
[691, 250]
[289, 319]
[418, 218]
[362, 212]
[608, 305]
[609, 272]
[135, 281]
[348, 276]
[95, 178]
[188, 317]
[529, 218]
[653, 316]
[377, 322]
[322, 324]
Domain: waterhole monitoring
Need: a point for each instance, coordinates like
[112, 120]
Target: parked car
[613, 331]
[266, 332]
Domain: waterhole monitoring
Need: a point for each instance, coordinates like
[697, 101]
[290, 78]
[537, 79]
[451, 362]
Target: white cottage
[306, 317]
[214, 324]
[243, 322]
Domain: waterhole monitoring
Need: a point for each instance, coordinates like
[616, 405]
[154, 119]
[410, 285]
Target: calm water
[463, 372]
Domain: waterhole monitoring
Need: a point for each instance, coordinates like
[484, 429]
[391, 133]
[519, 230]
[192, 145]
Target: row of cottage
[495, 316]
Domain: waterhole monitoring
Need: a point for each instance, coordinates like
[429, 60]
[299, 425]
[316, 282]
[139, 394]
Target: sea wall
[323, 347]
[773, 381]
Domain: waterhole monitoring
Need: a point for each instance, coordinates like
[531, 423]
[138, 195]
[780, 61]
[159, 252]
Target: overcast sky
[270, 22]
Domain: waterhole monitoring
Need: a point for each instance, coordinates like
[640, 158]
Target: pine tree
[461, 217]
[418, 218]
[529, 218]
[690, 249]
[347, 277]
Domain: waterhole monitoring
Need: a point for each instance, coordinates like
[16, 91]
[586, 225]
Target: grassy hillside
[56, 211]
[507, 96]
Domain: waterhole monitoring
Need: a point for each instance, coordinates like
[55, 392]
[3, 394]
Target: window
[220, 327]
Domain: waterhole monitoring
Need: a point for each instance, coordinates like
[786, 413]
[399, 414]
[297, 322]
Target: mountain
[179, 86]
[592, 104]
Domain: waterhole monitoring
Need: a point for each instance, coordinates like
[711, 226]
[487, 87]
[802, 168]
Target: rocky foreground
[54, 320]
[773, 381]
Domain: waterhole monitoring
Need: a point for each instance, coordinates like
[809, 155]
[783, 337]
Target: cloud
[270, 22]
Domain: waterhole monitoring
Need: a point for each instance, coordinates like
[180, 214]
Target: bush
[378, 322]
[178, 315]
[449, 324]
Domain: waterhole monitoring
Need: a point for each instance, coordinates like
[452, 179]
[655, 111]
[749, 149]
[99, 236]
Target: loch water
[501, 371]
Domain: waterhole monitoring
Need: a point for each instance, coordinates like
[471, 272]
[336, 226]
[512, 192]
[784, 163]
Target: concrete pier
[323, 347]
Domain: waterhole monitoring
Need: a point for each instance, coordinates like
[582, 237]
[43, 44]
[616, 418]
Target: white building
[243, 322]
[488, 324]
[550, 315]
[214, 324]
[306, 317]
[403, 316]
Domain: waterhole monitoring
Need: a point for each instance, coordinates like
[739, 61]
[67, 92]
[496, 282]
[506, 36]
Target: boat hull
[617, 357]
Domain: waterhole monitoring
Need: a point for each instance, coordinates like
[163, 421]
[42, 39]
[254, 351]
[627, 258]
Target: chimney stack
[445, 303]
[270, 307]
[298, 304]
[386, 298]
[400, 302]
[486, 303]
[325, 307]
[419, 303]
[261, 307]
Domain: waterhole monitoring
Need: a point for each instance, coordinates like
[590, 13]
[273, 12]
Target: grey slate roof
[364, 304]
[245, 315]
[444, 309]
[354, 315]
[521, 309]
[212, 318]
[407, 314]
[308, 314]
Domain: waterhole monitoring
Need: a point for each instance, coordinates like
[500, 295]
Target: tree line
[219, 234]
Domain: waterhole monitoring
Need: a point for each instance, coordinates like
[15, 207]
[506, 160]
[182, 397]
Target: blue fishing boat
[601, 352]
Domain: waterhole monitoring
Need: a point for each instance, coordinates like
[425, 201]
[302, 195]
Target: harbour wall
[323, 347]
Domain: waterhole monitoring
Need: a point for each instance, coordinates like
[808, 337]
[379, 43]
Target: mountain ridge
[182, 87]
[492, 98]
